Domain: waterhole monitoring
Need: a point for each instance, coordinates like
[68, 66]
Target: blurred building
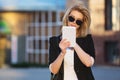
[32, 24]
[106, 30]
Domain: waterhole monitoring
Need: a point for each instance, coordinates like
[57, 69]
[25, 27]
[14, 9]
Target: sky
[32, 4]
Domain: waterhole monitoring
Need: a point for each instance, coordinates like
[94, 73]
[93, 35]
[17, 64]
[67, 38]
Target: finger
[66, 44]
[62, 40]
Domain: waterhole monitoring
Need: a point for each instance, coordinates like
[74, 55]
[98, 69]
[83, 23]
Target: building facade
[31, 27]
[105, 28]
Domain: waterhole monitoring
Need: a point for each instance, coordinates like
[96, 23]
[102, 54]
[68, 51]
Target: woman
[62, 64]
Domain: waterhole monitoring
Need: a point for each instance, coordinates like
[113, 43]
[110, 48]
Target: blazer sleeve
[90, 46]
[53, 49]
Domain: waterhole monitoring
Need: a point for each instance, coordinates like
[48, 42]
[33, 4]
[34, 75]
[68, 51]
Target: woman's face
[75, 19]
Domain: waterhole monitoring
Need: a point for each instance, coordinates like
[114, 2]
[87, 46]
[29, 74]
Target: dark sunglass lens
[71, 19]
[79, 22]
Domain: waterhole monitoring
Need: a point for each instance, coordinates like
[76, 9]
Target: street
[100, 73]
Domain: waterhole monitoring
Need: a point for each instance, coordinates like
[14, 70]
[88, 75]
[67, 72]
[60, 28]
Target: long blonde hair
[83, 30]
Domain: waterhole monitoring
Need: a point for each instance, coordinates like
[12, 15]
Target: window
[112, 53]
[116, 15]
[112, 15]
[108, 14]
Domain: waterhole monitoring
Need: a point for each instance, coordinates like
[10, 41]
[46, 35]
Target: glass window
[116, 15]
[53, 16]
[112, 52]
[108, 14]
[112, 15]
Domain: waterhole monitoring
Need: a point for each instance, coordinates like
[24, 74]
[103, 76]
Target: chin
[73, 26]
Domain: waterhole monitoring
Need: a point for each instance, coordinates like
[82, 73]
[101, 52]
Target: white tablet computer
[69, 33]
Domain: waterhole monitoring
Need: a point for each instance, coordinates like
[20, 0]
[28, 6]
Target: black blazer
[82, 72]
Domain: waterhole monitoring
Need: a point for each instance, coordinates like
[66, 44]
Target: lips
[72, 26]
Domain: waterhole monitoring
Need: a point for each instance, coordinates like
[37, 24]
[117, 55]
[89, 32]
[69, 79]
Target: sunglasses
[72, 19]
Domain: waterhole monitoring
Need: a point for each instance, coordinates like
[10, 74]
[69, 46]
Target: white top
[69, 73]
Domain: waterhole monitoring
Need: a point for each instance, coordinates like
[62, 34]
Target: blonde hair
[83, 30]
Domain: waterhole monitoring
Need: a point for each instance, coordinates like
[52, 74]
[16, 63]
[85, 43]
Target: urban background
[26, 25]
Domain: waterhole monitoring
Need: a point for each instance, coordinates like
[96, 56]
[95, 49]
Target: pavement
[106, 73]
[99, 72]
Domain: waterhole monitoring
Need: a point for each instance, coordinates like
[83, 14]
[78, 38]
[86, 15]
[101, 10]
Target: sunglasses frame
[78, 22]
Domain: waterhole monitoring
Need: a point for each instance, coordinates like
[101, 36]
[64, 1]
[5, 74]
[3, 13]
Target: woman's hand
[64, 44]
[55, 65]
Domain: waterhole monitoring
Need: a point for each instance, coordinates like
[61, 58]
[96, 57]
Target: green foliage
[4, 27]
[27, 65]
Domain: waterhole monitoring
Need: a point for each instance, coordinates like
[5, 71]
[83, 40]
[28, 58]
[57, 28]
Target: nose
[73, 24]
[74, 21]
